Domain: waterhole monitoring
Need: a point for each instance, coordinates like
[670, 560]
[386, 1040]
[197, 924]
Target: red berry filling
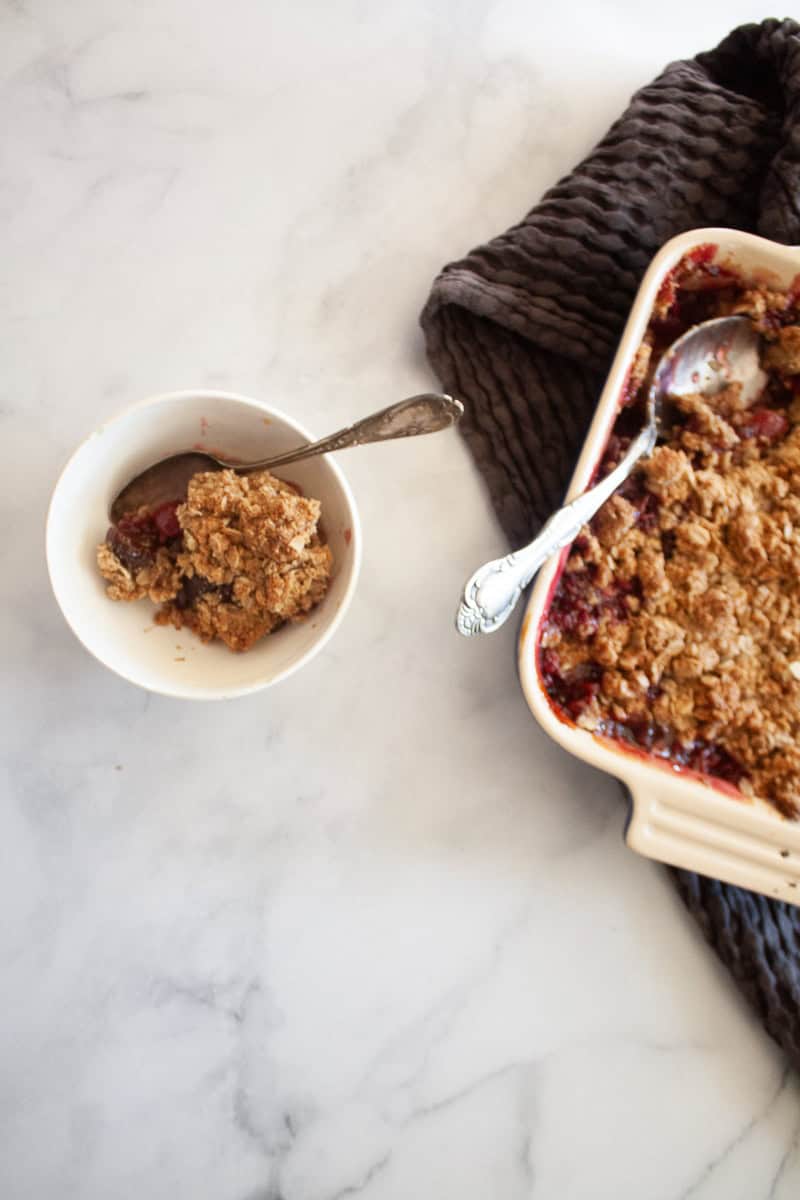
[706, 758]
[165, 519]
[574, 690]
[192, 588]
[137, 536]
[765, 423]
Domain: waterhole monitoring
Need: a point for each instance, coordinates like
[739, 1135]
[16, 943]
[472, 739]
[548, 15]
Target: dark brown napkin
[524, 329]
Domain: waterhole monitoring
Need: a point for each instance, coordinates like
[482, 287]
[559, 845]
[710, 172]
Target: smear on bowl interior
[675, 625]
[237, 559]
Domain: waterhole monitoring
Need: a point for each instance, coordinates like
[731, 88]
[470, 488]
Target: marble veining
[367, 934]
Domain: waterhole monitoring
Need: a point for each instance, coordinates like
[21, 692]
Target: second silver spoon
[705, 359]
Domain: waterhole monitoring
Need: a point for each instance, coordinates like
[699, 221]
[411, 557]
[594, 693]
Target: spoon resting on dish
[705, 359]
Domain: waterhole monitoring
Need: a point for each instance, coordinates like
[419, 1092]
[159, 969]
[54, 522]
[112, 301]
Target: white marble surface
[368, 933]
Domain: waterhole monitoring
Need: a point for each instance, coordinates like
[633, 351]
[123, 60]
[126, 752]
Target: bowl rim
[675, 817]
[196, 692]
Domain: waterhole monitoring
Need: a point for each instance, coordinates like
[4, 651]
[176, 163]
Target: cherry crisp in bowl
[228, 591]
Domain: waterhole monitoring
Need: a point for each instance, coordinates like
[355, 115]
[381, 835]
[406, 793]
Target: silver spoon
[703, 361]
[169, 479]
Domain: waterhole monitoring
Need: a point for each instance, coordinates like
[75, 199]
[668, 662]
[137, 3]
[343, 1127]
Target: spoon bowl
[708, 358]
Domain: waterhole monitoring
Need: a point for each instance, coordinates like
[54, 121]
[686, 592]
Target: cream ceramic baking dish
[675, 816]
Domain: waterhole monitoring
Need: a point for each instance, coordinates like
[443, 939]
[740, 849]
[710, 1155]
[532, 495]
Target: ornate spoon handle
[491, 594]
[426, 413]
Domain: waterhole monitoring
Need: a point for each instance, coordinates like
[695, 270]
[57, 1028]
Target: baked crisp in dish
[675, 624]
[237, 559]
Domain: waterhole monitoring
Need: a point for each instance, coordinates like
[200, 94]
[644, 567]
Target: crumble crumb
[784, 354]
[158, 580]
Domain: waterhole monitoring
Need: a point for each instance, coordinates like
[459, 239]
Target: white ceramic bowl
[675, 816]
[123, 636]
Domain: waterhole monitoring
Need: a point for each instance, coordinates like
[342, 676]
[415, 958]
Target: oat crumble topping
[237, 559]
[675, 625]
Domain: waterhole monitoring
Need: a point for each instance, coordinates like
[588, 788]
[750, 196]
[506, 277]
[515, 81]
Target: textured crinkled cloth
[524, 329]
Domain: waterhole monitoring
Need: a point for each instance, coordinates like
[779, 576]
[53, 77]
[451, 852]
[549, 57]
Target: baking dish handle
[724, 836]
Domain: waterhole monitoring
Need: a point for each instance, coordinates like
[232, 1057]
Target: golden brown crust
[707, 641]
[784, 354]
[250, 559]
